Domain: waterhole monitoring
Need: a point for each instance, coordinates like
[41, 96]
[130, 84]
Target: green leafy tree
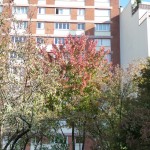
[135, 124]
[24, 90]
[115, 91]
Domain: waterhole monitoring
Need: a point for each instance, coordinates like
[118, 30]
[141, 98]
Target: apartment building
[135, 32]
[51, 21]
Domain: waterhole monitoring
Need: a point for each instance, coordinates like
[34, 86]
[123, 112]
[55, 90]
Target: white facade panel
[70, 3]
[102, 19]
[102, 3]
[20, 16]
[80, 32]
[77, 32]
[62, 18]
[53, 17]
[61, 33]
[80, 18]
[67, 32]
[41, 2]
[40, 31]
[148, 35]
[21, 2]
[134, 36]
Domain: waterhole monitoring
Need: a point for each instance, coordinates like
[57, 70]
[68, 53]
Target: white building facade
[134, 32]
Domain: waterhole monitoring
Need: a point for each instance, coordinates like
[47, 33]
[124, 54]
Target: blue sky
[125, 2]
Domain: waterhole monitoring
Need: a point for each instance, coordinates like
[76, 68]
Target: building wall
[115, 32]
[148, 35]
[90, 19]
[134, 36]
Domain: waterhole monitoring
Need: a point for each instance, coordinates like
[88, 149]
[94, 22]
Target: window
[20, 10]
[18, 39]
[21, 25]
[102, 13]
[81, 26]
[41, 10]
[104, 42]
[58, 40]
[81, 12]
[1, 9]
[40, 25]
[14, 70]
[79, 140]
[60, 11]
[40, 40]
[102, 27]
[13, 54]
[61, 25]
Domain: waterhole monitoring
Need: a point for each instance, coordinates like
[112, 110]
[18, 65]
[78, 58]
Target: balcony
[23, 2]
[102, 19]
[144, 17]
[102, 3]
[70, 3]
[65, 33]
[79, 17]
[54, 18]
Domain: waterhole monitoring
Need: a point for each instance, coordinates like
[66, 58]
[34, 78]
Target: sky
[123, 3]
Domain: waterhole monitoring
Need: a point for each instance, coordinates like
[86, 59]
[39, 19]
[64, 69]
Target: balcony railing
[144, 17]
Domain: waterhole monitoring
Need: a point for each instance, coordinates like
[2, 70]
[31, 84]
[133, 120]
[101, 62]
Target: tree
[79, 64]
[138, 1]
[116, 91]
[24, 90]
[136, 122]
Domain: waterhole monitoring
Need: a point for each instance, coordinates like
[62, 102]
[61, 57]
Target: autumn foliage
[78, 60]
[79, 65]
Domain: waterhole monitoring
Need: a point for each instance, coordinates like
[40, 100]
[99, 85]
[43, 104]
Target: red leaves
[78, 60]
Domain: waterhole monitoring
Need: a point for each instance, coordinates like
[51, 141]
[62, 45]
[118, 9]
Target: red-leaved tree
[79, 64]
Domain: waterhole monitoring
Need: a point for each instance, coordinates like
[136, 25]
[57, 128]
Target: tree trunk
[18, 137]
[83, 142]
[10, 140]
[26, 142]
[0, 137]
[73, 138]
